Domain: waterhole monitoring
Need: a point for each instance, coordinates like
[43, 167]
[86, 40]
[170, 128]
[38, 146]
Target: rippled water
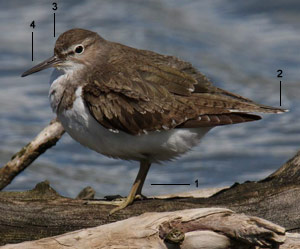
[239, 45]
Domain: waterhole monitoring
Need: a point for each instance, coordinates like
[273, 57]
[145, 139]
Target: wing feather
[138, 94]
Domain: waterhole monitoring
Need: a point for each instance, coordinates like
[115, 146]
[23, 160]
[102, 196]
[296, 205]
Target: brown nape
[219, 119]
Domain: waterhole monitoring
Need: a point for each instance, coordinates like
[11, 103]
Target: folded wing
[150, 94]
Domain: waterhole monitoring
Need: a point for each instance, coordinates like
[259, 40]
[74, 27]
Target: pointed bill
[51, 62]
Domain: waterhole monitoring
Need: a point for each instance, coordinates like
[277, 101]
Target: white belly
[154, 146]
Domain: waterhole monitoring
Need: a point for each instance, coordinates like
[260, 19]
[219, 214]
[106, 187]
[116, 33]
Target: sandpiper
[136, 104]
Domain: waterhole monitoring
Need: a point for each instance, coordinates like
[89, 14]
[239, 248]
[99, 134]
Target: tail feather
[219, 119]
[229, 104]
[257, 108]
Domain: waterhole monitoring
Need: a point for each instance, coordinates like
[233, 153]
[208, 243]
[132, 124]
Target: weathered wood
[42, 212]
[207, 228]
[22, 159]
[275, 198]
[292, 241]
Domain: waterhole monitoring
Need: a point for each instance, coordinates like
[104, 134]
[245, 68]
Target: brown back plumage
[138, 91]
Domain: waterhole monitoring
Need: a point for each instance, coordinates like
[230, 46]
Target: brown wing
[147, 107]
[137, 91]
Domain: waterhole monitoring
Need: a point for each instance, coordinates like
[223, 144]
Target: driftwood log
[195, 228]
[22, 159]
[42, 212]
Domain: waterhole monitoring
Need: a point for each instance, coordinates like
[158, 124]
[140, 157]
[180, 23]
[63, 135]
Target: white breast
[154, 146]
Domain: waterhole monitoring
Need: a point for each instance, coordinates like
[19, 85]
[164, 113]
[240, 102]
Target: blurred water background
[239, 45]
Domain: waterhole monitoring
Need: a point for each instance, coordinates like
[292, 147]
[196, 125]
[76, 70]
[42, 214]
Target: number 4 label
[32, 24]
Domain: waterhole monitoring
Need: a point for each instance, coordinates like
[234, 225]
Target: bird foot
[123, 205]
[128, 201]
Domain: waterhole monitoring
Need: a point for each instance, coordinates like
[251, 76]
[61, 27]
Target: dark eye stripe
[71, 53]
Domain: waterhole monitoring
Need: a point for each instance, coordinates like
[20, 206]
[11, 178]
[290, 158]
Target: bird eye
[78, 49]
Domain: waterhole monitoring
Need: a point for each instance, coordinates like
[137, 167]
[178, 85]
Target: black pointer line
[280, 93]
[32, 45]
[181, 184]
[54, 23]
